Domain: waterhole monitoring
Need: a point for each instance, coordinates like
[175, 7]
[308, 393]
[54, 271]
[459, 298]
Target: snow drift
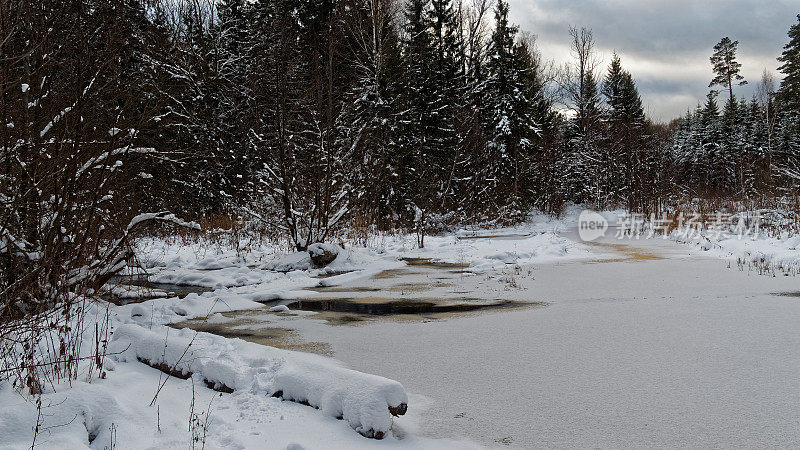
[365, 401]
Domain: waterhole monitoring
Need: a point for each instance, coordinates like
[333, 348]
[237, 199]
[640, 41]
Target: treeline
[396, 114]
[747, 148]
[311, 115]
[306, 116]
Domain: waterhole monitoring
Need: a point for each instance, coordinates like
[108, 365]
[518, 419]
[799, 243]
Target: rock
[399, 410]
[279, 308]
[322, 254]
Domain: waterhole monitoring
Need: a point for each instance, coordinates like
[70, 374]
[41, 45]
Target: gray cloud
[665, 43]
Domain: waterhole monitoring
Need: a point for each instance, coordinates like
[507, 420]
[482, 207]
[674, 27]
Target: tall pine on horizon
[726, 68]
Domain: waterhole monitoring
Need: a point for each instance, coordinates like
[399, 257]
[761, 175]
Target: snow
[134, 292]
[54, 121]
[362, 400]
[681, 351]
[320, 248]
[770, 253]
[534, 241]
[620, 355]
[118, 405]
[116, 410]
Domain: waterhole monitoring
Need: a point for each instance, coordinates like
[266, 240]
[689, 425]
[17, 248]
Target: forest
[203, 202]
[311, 119]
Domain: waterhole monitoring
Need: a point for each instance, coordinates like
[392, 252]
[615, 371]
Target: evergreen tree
[584, 132]
[539, 172]
[726, 68]
[730, 149]
[279, 124]
[231, 37]
[512, 93]
[625, 135]
[789, 93]
[446, 75]
[369, 118]
[420, 131]
[585, 136]
[710, 162]
[446, 70]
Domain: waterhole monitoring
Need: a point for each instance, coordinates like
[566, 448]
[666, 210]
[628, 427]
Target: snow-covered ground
[95, 413]
[624, 344]
[761, 253]
[645, 344]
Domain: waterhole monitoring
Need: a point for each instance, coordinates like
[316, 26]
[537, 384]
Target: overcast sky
[665, 43]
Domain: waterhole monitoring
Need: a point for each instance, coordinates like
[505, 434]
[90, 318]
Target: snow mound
[767, 254]
[289, 262]
[365, 401]
[320, 248]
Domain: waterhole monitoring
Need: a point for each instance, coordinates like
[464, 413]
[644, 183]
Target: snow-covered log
[366, 402]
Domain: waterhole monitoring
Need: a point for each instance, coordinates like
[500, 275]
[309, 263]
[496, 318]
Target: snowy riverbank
[117, 410]
[229, 393]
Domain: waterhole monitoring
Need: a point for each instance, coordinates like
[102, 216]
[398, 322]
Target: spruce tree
[446, 76]
[710, 163]
[625, 135]
[231, 36]
[584, 131]
[585, 139]
[510, 123]
[789, 92]
[420, 130]
[369, 117]
[730, 149]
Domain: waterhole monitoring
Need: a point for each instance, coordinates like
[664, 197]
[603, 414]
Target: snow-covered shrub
[71, 153]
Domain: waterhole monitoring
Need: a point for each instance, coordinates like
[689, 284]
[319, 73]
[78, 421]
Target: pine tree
[726, 68]
[787, 124]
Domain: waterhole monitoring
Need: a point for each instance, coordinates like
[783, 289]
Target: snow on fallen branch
[163, 216]
[115, 257]
[366, 402]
